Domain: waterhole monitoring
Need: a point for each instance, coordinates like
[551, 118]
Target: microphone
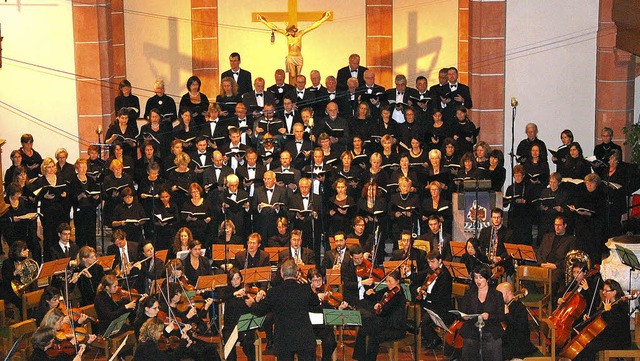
[480, 323]
[514, 102]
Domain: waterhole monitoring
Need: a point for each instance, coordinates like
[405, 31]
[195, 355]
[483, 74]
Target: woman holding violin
[153, 345]
[107, 308]
[606, 329]
[43, 347]
[238, 300]
[385, 321]
[482, 334]
[50, 299]
[65, 337]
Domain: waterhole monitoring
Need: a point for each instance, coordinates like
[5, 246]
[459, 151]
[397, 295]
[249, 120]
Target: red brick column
[615, 74]
[486, 68]
[379, 44]
[463, 41]
[204, 40]
[92, 35]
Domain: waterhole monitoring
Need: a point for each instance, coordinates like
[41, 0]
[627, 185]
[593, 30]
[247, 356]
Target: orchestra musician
[50, 299]
[437, 237]
[416, 267]
[383, 321]
[237, 302]
[195, 264]
[473, 256]
[353, 286]
[516, 340]
[11, 270]
[150, 333]
[150, 269]
[126, 252]
[552, 252]
[492, 239]
[333, 258]
[43, 340]
[434, 294]
[106, 308]
[589, 287]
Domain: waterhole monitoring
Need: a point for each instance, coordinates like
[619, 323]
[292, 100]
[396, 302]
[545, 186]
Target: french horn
[29, 270]
[570, 259]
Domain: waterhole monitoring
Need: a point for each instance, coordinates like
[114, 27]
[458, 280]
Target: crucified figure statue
[294, 60]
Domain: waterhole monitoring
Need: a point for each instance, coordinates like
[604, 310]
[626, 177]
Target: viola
[122, 294]
[75, 313]
[61, 349]
[366, 270]
[422, 290]
[388, 297]
[334, 299]
[168, 343]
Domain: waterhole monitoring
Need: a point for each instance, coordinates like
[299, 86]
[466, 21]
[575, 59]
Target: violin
[422, 290]
[366, 270]
[61, 349]
[168, 343]
[334, 299]
[196, 300]
[388, 297]
[122, 294]
[66, 333]
[185, 283]
[75, 313]
[175, 321]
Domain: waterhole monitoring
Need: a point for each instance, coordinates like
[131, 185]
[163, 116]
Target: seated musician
[437, 238]
[195, 264]
[382, 322]
[322, 332]
[489, 305]
[89, 273]
[175, 272]
[553, 249]
[106, 308]
[11, 271]
[516, 341]
[237, 302]
[365, 239]
[616, 335]
[493, 238]
[64, 248]
[473, 256]
[51, 298]
[253, 256]
[151, 269]
[434, 293]
[354, 286]
[148, 349]
[301, 255]
[126, 252]
[57, 320]
[416, 267]
[333, 258]
[587, 287]
[43, 340]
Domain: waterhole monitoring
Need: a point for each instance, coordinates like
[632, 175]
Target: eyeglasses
[607, 291]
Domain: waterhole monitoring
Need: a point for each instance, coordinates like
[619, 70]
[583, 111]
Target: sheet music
[231, 342]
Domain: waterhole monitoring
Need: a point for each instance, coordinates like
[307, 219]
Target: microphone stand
[480, 325]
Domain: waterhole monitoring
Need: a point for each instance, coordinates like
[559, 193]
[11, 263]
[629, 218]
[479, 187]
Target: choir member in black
[201, 157]
[403, 209]
[287, 176]
[235, 204]
[436, 205]
[385, 125]
[252, 172]
[436, 171]
[322, 332]
[438, 239]
[66, 172]
[304, 210]
[197, 214]
[196, 265]
[614, 312]
[90, 274]
[165, 105]
[496, 170]
[434, 293]
[372, 207]
[407, 172]
[214, 129]
[411, 128]
[290, 117]
[226, 235]
[333, 258]
[127, 161]
[334, 121]
[524, 147]
[559, 156]
[129, 216]
[617, 174]
[147, 349]
[268, 203]
[359, 153]
[519, 197]
[112, 187]
[299, 147]
[482, 151]
[165, 217]
[149, 156]
[128, 101]
[365, 240]
[330, 151]
[493, 238]
[290, 303]
[181, 241]
[51, 191]
[482, 343]
[469, 169]
[438, 131]
[187, 130]
[347, 170]
[106, 308]
[180, 178]
[375, 174]
[228, 97]
[536, 172]
[464, 131]
[415, 268]
[19, 222]
[168, 163]
[552, 203]
[43, 340]
[95, 164]
[389, 158]
[234, 150]
[214, 179]
[386, 321]
[341, 208]
[84, 196]
[589, 208]
[282, 237]
[123, 132]
[50, 298]
[576, 166]
[516, 340]
[31, 159]
[418, 157]
[149, 188]
[552, 252]
[12, 270]
[237, 302]
[450, 155]
[157, 133]
[195, 102]
[604, 149]
[361, 123]
[473, 255]
[16, 161]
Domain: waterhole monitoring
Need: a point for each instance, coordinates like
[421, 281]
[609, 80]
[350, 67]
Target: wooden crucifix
[293, 60]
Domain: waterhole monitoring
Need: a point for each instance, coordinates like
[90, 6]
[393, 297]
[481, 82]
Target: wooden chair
[413, 315]
[457, 292]
[547, 345]
[633, 352]
[541, 277]
[3, 318]
[26, 328]
[30, 301]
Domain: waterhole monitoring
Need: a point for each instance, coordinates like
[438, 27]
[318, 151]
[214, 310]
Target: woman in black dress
[559, 158]
[31, 159]
[20, 221]
[129, 216]
[521, 210]
[186, 131]
[124, 133]
[112, 187]
[84, 196]
[128, 163]
[435, 204]
[450, 155]
[228, 97]
[372, 207]
[196, 265]
[482, 151]
[360, 124]
[589, 208]
[497, 172]
[473, 256]
[180, 178]
[341, 208]
[197, 214]
[464, 131]
[403, 210]
[536, 172]
[197, 103]
[383, 126]
[237, 303]
[576, 166]
[150, 333]
[51, 191]
[126, 100]
[106, 308]
[438, 131]
[16, 161]
[166, 218]
[88, 286]
[157, 132]
[405, 170]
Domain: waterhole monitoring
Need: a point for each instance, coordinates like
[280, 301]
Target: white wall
[39, 33]
[550, 68]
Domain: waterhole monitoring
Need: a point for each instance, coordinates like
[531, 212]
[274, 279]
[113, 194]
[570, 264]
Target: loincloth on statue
[295, 60]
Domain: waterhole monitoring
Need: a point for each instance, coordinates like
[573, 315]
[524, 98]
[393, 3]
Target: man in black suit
[286, 175]
[215, 129]
[201, 157]
[243, 123]
[493, 238]
[214, 177]
[454, 95]
[304, 208]
[301, 255]
[256, 99]
[423, 104]
[256, 256]
[400, 96]
[150, 270]
[553, 249]
[349, 100]
[330, 125]
[436, 296]
[442, 81]
[269, 203]
[290, 116]
[125, 252]
[64, 248]
[334, 258]
[235, 203]
[354, 286]
[252, 172]
[241, 76]
[372, 91]
[290, 303]
[301, 96]
[353, 70]
[234, 152]
[416, 267]
[318, 90]
[280, 88]
[299, 148]
[438, 240]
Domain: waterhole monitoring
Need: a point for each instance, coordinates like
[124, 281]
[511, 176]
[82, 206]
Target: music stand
[521, 252]
[211, 281]
[480, 184]
[217, 251]
[14, 348]
[457, 270]
[162, 255]
[107, 262]
[156, 286]
[115, 326]
[342, 318]
[457, 248]
[273, 253]
[334, 277]
[304, 269]
[351, 242]
[628, 258]
[437, 320]
[256, 274]
[391, 265]
[52, 268]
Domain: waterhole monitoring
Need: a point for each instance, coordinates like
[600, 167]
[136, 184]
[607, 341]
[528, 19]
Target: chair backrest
[534, 274]
[457, 291]
[26, 328]
[636, 337]
[30, 301]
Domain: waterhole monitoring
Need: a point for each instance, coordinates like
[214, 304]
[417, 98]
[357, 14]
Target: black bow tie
[217, 167]
[236, 72]
[332, 93]
[285, 169]
[288, 114]
[259, 94]
[251, 168]
[233, 194]
[300, 92]
[298, 142]
[307, 197]
[234, 148]
[400, 93]
[202, 153]
[269, 189]
[317, 168]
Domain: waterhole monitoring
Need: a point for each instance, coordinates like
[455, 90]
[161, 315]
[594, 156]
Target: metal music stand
[334, 277]
[521, 252]
[628, 258]
[211, 281]
[457, 270]
[115, 326]
[457, 248]
[342, 318]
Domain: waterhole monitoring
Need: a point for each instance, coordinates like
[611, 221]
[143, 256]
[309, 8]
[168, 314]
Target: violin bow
[395, 268]
[593, 297]
[166, 300]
